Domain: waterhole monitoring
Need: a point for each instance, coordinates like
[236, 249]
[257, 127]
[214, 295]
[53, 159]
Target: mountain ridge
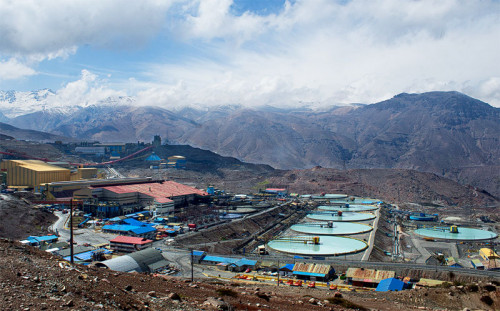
[438, 132]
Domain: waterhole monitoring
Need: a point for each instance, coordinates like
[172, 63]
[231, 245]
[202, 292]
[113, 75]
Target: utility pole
[192, 267]
[278, 272]
[72, 260]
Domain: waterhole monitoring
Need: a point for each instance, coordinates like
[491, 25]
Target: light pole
[278, 272]
[192, 267]
[72, 260]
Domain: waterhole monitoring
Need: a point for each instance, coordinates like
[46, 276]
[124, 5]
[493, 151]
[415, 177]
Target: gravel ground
[34, 280]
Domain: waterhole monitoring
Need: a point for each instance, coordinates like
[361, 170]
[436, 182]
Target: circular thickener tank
[334, 196]
[463, 234]
[335, 228]
[351, 208]
[347, 216]
[327, 246]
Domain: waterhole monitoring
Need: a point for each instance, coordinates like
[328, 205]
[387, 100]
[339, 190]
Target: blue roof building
[134, 222]
[242, 265]
[40, 240]
[390, 284]
[87, 256]
[214, 260]
[288, 267]
[146, 231]
[153, 158]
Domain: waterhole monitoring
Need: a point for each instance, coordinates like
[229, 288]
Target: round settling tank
[348, 208]
[347, 216]
[330, 196]
[332, 228]
[326, 246]
[456, 234]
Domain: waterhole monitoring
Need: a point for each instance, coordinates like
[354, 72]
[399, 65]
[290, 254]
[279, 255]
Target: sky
[250, 52]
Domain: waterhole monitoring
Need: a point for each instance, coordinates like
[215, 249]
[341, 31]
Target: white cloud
[88, 90]
[54, 27]
[329, 52]
[12, 69]
[319, 51]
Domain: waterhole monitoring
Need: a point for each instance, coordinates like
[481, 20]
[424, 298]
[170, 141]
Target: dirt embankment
[31, 279]
[18, 219]
[390, 185]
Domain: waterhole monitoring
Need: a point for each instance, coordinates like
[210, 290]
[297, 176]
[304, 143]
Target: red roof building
[165, 195]
[129, 244]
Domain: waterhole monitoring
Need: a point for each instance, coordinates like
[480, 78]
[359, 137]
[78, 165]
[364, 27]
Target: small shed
[453, 262]
[242, 265]
[286, 269]
[477, 264]
[313, 272]
[390, 284]
[198, 256]
[367, 277]
[215, 260]
[269, 266]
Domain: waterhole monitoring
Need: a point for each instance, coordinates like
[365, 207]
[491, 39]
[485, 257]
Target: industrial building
[93, 151]
[35, 174]
[165, 196]
[148, 260]
[113, 148]
[488, 254]
[390, 284]
[129, 244]
[313, 272]
[144, 232]
[106, 198]
[40, 240]
[367, 277]
[176, 162]
[80, 189]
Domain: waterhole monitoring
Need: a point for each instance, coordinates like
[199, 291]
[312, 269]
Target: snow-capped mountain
[15, 103]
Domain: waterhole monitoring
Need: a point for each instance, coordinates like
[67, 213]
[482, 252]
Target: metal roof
[390, 284]
[198, 253]
[78, 249]
[488, 253]
[45, 238]
[288, 266]
[312, 268]
[153, 157]
[87, 255]
[219, 259]
[134, 222]
[130, 240]
[129, 228]
[141, 230]
[309, 274]
[122, 263]
[245, 262]
[369, 275]
[148, 257]
[39, 166]
[160, 191]
[146, 260]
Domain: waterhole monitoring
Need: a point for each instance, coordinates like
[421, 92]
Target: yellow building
[34, 173]
[176, 161]
[488, 254]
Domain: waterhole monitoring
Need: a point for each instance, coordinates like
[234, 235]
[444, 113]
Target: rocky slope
[391, 185]
[35, 280]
